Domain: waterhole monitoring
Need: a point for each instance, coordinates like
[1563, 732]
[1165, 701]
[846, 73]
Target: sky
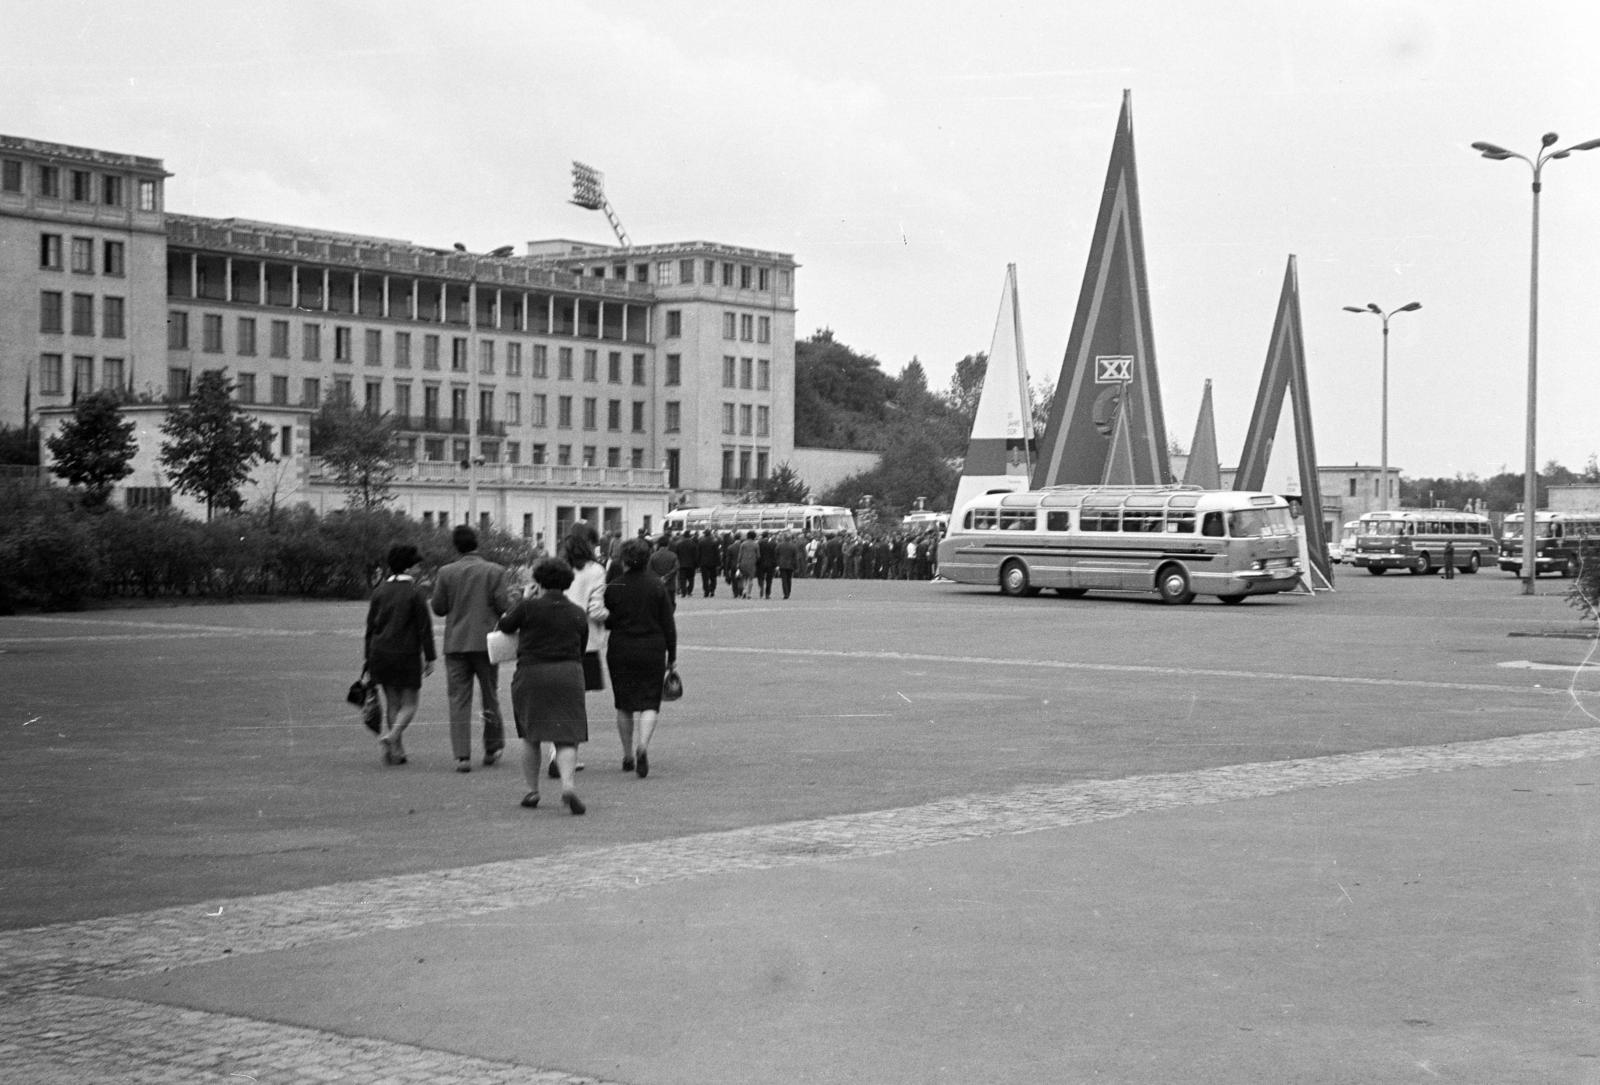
[905, 153]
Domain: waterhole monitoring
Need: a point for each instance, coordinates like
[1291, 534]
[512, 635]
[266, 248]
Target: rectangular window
[674, 324]
[280, 390]
[211, 333]
[49, 178]
[763, 421]
[82, 185]
[149, 196]
[402, 399]
[729, 362]
[372, 347]
[764, 278]
[541, 360]
[111, 191]
[486, 357]
[763, 374]
[279, 333]
[244, 387]
[83, 314]
[514, 455]
[536, 410]
[745, 274]
[246, 337]
[746, 327]
[764, 329]
[113, 373]
[10, 175]
[311, 343]
[613, 457]
[82, 373]
[589, 455]
[430, 352]
[430, 405]
[614, 414]
[177, 383]
[564, 363]
[727, 418]
[666, 273]
[686, 272]
[536, 453]
[113, 311]
[513, 359]
[83, 255]
[674, 419]
[373, 397]
[177, 331]
[636, 459]
[514, 408]
[591, 412]
[638, 369]
[50, 251]
[114, 258]
[343, 343]
[674, 376]
[564, 412]
[591, 366]
[402, 350]
[614, 367]
[761, 466]
[730, 325]
[458, 354]
[745, 428]
[638, 416]
[727, 469]
[710, 270]
[311, 392]
[564, 455]
[50, 374]
[727, 274]
[746, 373]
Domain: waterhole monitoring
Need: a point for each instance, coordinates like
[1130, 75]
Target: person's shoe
[641, 764]
[554, 772]
[492, 756]
[530, 801]
[397, 748]
[463, 764]
[572, 802]
[627, 764]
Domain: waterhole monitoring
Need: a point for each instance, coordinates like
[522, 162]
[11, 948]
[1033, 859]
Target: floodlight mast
[589, 193]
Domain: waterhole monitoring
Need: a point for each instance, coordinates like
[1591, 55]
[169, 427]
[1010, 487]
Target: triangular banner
[1119, 464]
[1000, 453]
[1204, 469]
[1111, 346]
[1286, 372]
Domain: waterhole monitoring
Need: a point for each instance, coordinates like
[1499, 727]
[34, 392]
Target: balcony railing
[520, 475]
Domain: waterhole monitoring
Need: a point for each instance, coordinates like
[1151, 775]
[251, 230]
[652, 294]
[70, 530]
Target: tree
[20, 445]
[839, 395]
[357, 448]
[784, 487]
[966, 386]
[212, 444]
[94, 448]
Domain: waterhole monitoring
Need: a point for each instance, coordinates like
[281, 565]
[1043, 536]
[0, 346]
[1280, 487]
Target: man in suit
[471, 593]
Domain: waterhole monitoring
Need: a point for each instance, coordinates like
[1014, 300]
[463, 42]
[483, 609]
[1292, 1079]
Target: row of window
[53, 314]
[747, 373]
[434, 449]
[112, 373]
[745, 327]
[79, 186]
[760, 416]
[712, 272]
[54, 250]
[743, 467]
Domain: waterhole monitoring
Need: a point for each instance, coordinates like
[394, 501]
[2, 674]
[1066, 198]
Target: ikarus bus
[1415, 540]
[1558, 541]
[1176, 541]
[809, 519]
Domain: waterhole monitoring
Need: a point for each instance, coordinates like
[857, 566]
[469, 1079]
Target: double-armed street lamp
[1372, 307]
[1530, 487]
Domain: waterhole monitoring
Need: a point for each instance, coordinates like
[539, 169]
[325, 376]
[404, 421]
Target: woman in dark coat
[547, 690]
[643, 644]
[398, 649]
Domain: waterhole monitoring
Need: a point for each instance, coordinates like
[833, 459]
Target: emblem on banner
[1113, 368]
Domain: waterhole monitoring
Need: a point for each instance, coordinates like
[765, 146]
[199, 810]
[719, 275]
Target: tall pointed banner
[1286, 372]
[1111, 350]
[1204, 469]
[1000, 453]
[1119, 464]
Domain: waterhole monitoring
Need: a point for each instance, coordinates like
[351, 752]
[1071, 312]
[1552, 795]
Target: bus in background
[1558, 540]
[1176, 541]
[810, 519]
[1345, 548]
[915, 523]
[1414, 540]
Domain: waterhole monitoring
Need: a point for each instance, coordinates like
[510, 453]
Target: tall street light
[1530, 484]
[474, 422]
[1372, 307]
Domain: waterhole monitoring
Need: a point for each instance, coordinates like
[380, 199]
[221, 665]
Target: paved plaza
[895, 832]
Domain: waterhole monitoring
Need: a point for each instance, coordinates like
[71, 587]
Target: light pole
[473, 421]
[1372, 307]
[1530, 482]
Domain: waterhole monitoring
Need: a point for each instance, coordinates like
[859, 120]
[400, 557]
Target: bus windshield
[1259, 523]
[1514, 531]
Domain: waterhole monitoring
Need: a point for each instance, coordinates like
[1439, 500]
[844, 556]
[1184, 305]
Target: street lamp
[1372, 307]
[474, 443]
[1530, 482]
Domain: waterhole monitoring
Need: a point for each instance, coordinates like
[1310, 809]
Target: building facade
[571, 380]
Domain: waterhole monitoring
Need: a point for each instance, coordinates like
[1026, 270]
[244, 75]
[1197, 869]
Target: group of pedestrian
[875, 556]
[748, 562]
[576, 615]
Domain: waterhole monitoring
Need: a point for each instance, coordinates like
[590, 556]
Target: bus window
[984, 519]
[1142, 519]
[1093, 519]
[1181, 522]
[1057, 520]
[1259, 523]
[1212, 525]
[1018, 519]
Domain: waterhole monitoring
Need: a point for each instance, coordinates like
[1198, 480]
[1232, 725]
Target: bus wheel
[1013, 579]
[1173, 584]
[1472, 563]
[1423, 564]
[1376, 570]
[1232, 600]
[1072, 593]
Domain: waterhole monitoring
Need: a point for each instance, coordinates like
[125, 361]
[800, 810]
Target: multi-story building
[572, 380]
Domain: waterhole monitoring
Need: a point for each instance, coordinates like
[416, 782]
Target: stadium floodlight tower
[589, 193]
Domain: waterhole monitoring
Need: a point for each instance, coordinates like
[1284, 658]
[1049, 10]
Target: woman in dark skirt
[547, 690]
[643, 644]
[399, 648]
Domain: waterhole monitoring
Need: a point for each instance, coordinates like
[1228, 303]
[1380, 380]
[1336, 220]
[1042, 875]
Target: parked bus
[810, 519]
[1177, 541]
[1345, 548]
[1557, 541]
[1414, 540]
[917, 522]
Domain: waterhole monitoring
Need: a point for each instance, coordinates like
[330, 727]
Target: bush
[1584, 594]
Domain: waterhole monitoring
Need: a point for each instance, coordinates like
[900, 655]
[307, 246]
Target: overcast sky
[904, 153]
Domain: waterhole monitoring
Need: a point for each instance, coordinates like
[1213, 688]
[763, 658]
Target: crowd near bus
[1558, 541]
[1423, 541]
[1176, 541]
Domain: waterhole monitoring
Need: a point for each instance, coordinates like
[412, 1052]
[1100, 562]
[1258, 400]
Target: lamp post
[473, 365]
[1530, 482]
[1372, 307]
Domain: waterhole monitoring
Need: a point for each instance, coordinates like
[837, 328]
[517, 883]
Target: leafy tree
[966, 386]
[784, 487]
[840, 396]
[913, 466]
[212, 444]
[94, 448]
[20, 445]
[357, 448]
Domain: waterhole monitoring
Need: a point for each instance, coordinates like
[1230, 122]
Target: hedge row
[54, 554]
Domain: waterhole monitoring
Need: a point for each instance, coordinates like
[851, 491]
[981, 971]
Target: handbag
[357, 694]
[593, 673]
[671, 685]
[502, 647]
[372, 710]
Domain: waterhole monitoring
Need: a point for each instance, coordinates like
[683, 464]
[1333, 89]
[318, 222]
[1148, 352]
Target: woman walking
[547, 690]
[643, 644]
[580, 549]
[399, 648]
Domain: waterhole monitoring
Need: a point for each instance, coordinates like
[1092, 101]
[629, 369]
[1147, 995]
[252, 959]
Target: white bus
[1177, 541]
[1557, 542]
[1414, 540]
[810, 519]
